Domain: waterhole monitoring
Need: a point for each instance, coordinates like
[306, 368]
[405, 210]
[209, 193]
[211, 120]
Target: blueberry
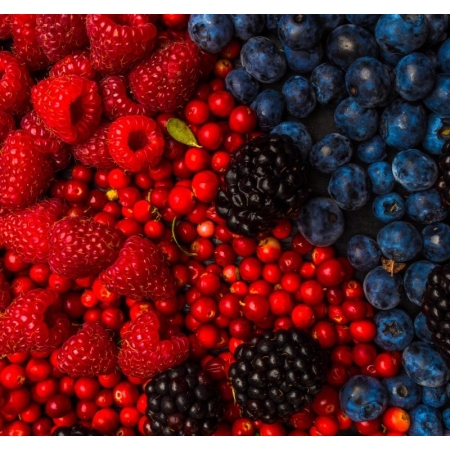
[414, 76]
[401, 33]
[426, 207]
[299, 31]
[347, 43]
[380, 174]
[363, 252]
[372, 150]
[399, 241]
[415, 280]
[425, 421]
[446, 418]
[414, 170]
[390, 59]
[403, 391]
[389, 207]
[331, 152]
[299, 96]
[403, 124]
[262, 59]
[248, 25]
[434, 396]
[349, 187]
[421, 329]
[211, 32]
[364, 20]
[425, 365]
[395, 330]
[438, 100]
[299, 134]
[368, 81]
[435, 137]
[328, 82]
[355, 121]
[329, 22]
[272, 21]
[383, 290]
[363, 398]
[321, 221]
[269, 106]
[436, 242]
[443, 56]
[304, 61]
[241, 86]
[437, 26]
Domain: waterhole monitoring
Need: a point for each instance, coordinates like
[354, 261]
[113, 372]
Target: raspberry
[25, 173]
[32, 322]
[81, 247]
[5, 294]
[116, 101]
[26, 232]
[93, 152]
[91, 352]
[135, 143]
[147, 351]
[119, 40]
[140, 271]
[76, 114]
[7, 124]
[167, 79]
[77, 63]
[61, 159]
[5, 26]
[60, 34]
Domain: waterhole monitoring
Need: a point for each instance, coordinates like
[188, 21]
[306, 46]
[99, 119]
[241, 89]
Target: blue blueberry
[363, 398]
[363, 252]
[272, 21]
[372, 150]
[425, 421]
[380, 174]
[304, 61]
[329, 22]
[331, 152]
[415, 280]
[299, 31]
[355, 121]
[446, 418]
[399, 241]
[321, 221]
[403, 124]
[262, 59]
[426, 207]
[390, 59]
[364, 20]
[414, 76]
[349, 187]
[443, 56]
[414, 170]
[423, 363]
[436, 242]
[434, 139]
[389, 207]
[241, 86]
[434, 396]
[437, 26]
[299, 134]
[329, 83]
[401, 33]
[403, 391]
[248, 25]
[299, 96]
[438, 100]
[269, 106]
[421, 329]
[383, 290]
[211, 32]
[395, 330]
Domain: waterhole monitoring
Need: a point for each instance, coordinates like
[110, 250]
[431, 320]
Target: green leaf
[178, 130]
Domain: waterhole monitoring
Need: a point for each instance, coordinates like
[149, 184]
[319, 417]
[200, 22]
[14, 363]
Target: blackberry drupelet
[276, 375]
[183, 401]
[436, 308]
[265, 181]
[443, 183]
[75, 430]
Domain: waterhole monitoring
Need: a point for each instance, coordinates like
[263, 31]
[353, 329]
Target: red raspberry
[7, 124]
[135, 143]
[62, 158]
[119, 40]
[5, 26]
[61, 34]
[89, 353]
[26, 232]
[77, 63]
[81, 247]
[116, 101]
[32, 322]
[93, 152]
[140, 271]
[5, 294]
[26, 47]
[167, 79]
[25, 173]
[69, 106]
[146, 351]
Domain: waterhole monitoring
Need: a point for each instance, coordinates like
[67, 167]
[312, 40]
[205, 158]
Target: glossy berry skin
[381, 177]
[247, 25]
[436, 242]
[421, 329]
[425, 421]
[303, 61]
[363, 252]
[364, 20]
[403, 391]
[434, 396]
[389, 207]
[298, 133]
[415, 280]
[299, 31]
[395, 330]
[299, 96]
[328, 82]
[426, 207]
[242, 86]
[331, 152]
[269, 106]
[399, 241]
[211, 32]
[382, 290]
[373, 150]
[437, 100]
[433, 141]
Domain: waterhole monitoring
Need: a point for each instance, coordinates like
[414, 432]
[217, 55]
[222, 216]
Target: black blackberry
[265, 181]
[76, 430]
[183, 401]
[443, 183]
[436, 308]
[277, 374]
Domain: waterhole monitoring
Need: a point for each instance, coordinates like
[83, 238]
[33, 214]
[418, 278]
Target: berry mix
[175, 256]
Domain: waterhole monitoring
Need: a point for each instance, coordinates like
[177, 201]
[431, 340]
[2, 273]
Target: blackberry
[436, 308]
[75, 430]
[265, 181]
[183, 401]
[276, 375]
[443, 183]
